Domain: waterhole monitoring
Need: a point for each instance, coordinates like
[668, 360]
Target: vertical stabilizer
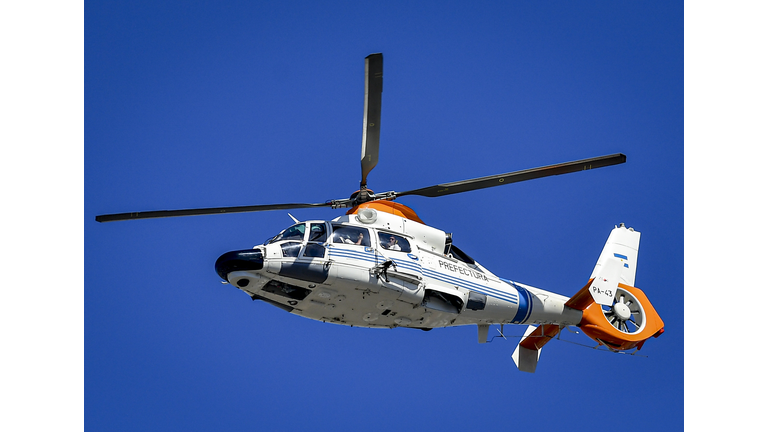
[616, 314]
[622, 244]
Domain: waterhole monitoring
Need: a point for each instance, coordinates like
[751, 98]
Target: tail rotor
[626, 314]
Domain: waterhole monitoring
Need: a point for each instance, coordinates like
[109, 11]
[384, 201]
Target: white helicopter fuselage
[377, 269]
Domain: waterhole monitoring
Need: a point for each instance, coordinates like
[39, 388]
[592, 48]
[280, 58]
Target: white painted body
[425, 288]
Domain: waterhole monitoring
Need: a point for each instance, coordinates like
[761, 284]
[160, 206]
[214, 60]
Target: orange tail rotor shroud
[596, 326]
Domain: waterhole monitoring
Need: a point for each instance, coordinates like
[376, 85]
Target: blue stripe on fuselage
[525, 306]
[501, 295]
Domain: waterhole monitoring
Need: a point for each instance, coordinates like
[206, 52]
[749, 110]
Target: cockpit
[309, 239]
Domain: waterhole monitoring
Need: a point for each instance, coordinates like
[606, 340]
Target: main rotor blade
[203, 211]
[516, 176]
[374, 74]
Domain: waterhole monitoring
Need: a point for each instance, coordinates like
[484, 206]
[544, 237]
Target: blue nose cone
[249, 259]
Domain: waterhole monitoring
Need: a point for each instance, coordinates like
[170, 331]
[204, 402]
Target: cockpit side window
[351, 235]
[317, 232]
[394, 242]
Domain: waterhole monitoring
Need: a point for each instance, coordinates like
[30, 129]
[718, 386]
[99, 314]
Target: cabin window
[351, 235]
[394, 242]
[476, 301]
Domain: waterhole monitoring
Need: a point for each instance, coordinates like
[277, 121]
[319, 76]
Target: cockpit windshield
[295, 232]
[317, 233]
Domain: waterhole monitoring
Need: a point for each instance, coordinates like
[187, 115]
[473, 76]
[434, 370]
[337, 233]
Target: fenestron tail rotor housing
[626, 314]
[627, 323]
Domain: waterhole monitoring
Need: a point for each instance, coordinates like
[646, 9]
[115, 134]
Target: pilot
[392, 244]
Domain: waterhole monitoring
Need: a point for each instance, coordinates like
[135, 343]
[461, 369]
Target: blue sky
[201, 104]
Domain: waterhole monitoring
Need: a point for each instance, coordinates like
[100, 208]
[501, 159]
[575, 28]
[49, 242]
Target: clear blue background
[202, 104]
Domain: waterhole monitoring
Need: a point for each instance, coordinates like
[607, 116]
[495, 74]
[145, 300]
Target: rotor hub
[622, 311]
[362, 195]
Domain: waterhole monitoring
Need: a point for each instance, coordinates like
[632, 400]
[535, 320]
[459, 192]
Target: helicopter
[380, 266]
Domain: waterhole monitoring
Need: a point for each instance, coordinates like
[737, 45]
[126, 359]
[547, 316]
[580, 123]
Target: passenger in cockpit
[391, 244]
[348, 239]
[351, 236]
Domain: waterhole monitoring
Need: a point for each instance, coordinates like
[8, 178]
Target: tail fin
[622, 246]
[616, 264]
[615, 313]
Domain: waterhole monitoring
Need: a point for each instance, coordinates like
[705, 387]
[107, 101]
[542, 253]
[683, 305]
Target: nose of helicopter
[249, 259]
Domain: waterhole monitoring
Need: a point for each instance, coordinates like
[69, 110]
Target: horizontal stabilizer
[526, 355]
